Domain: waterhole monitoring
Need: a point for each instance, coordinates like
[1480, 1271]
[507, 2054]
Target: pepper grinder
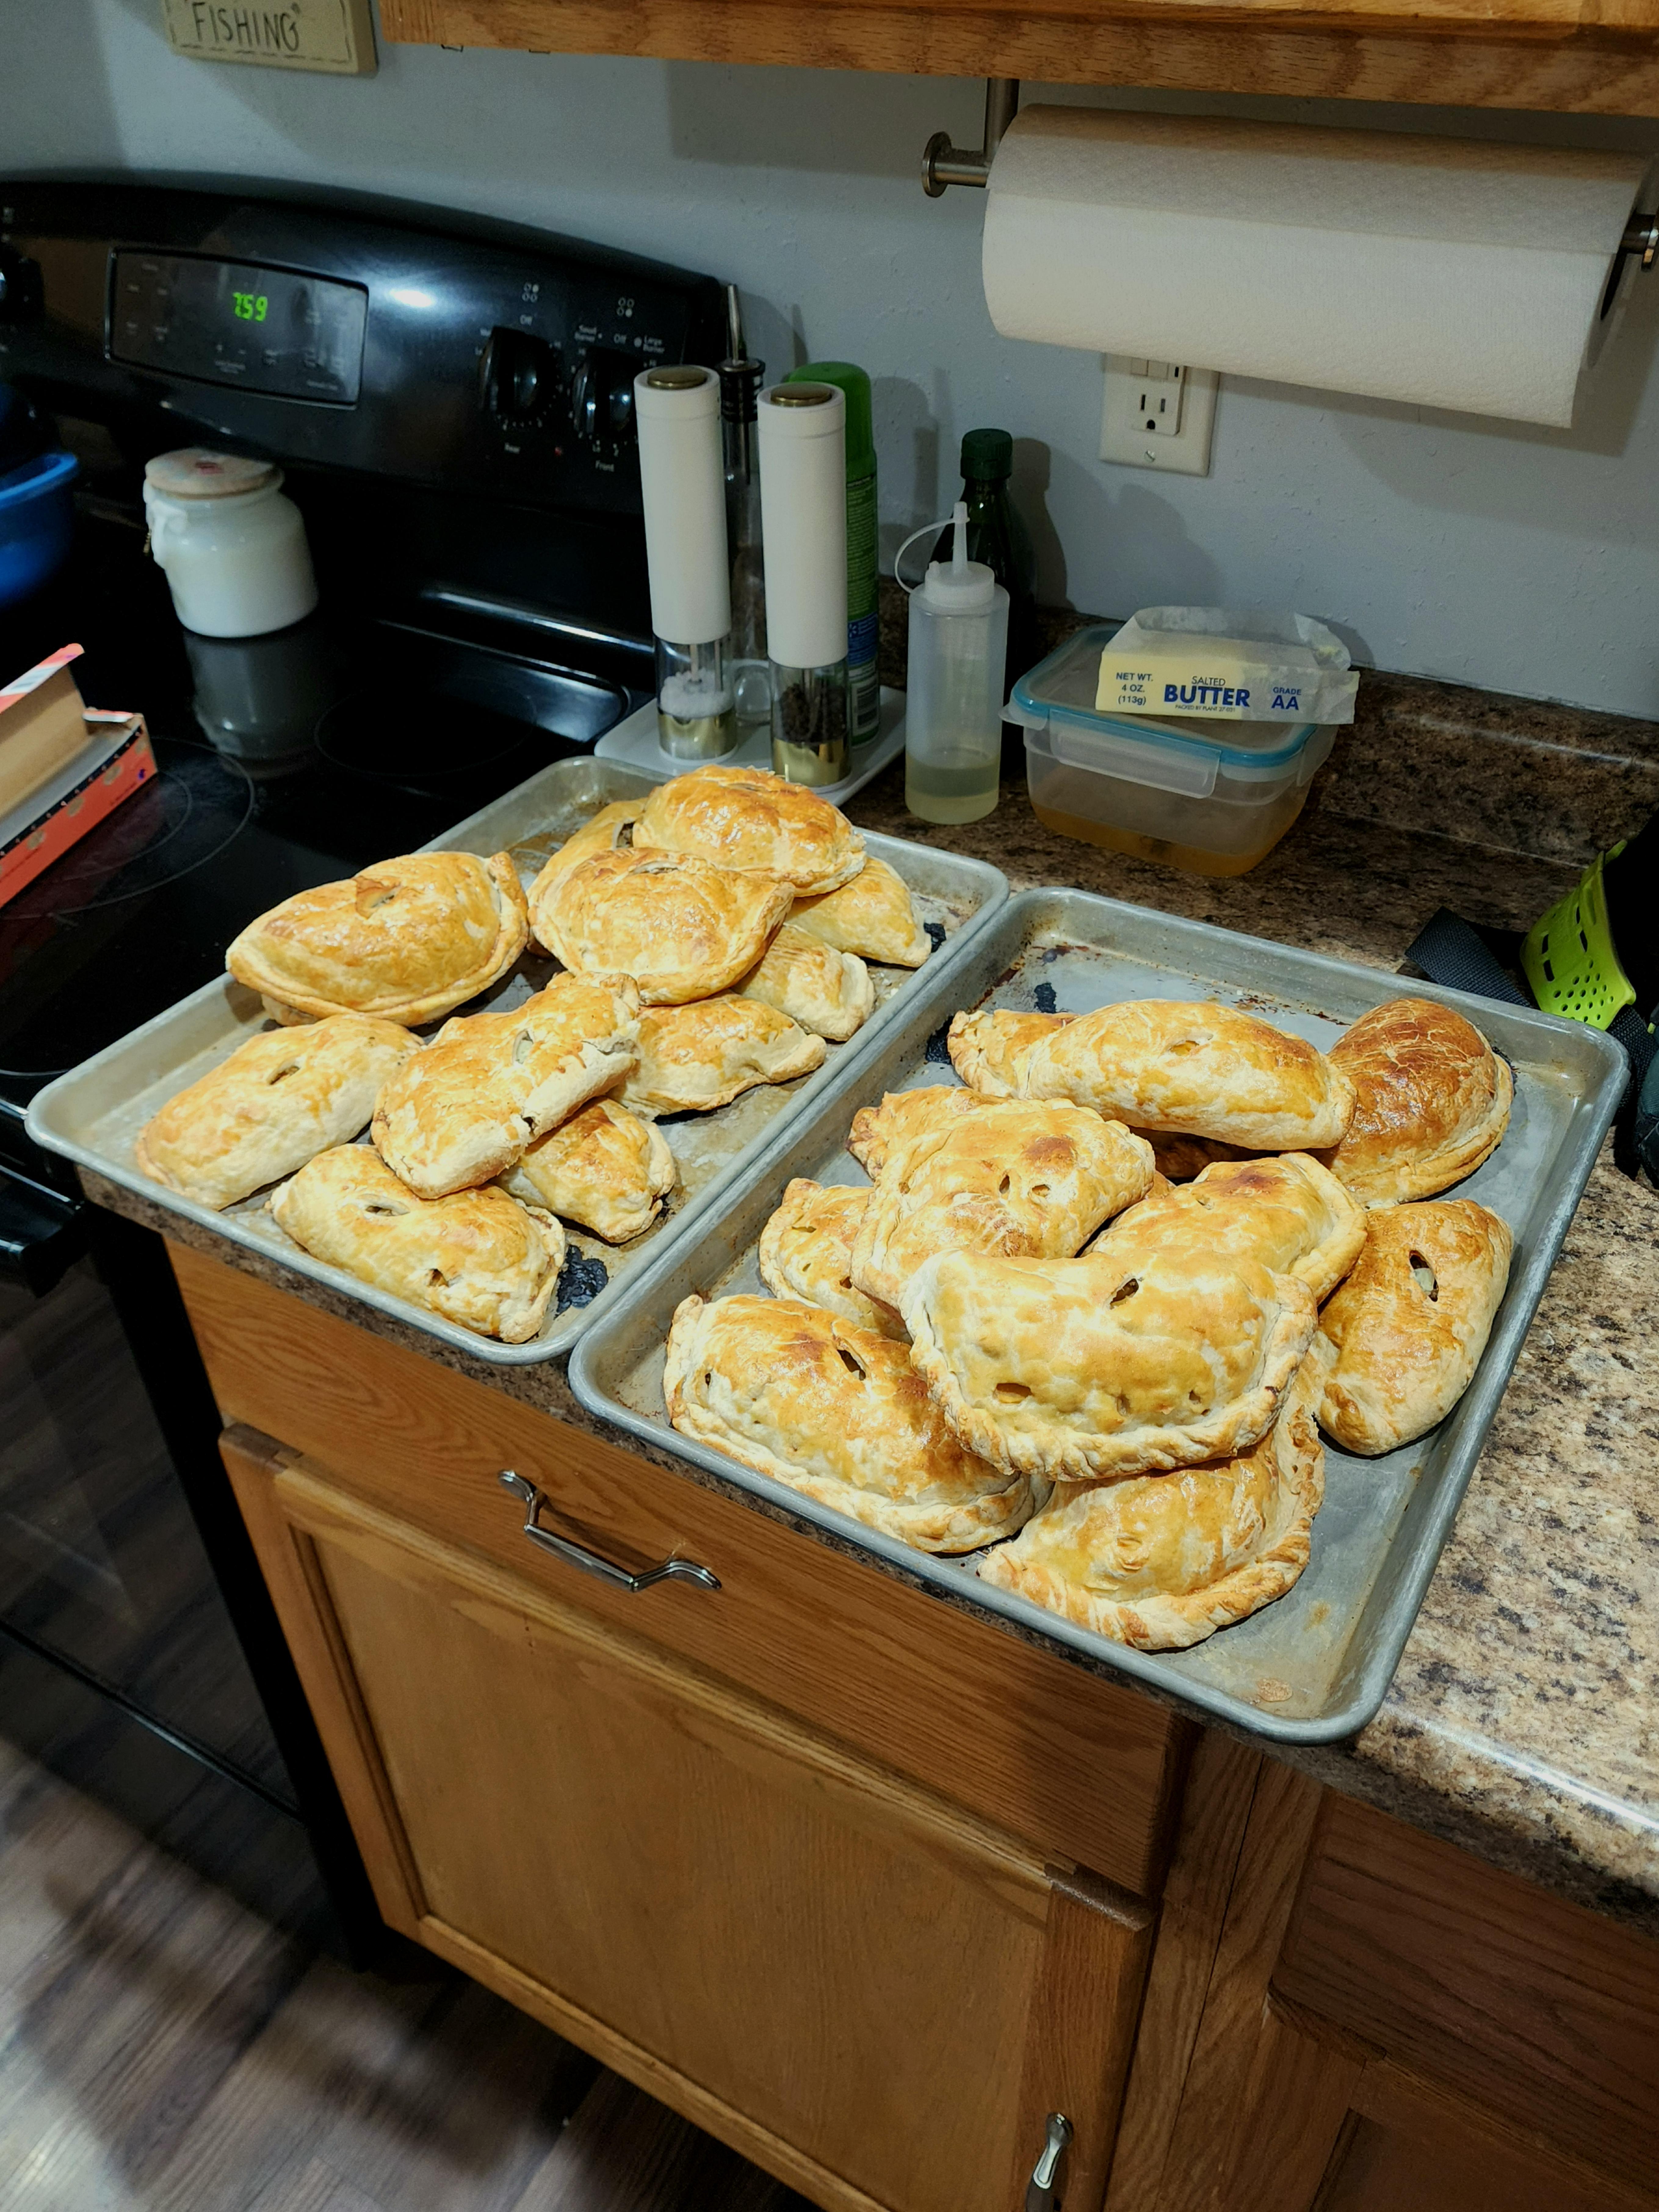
[803, 449]
[683, 482]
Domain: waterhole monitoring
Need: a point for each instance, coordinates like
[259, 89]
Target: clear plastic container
[1212, 797]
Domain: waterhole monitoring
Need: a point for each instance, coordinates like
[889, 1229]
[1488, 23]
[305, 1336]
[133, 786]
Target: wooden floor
[163, 2050]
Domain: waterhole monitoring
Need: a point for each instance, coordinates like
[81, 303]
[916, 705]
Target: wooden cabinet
[1596, 57]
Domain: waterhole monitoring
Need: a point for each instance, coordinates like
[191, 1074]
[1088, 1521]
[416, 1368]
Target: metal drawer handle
[1043, 2192]
[591, 1563]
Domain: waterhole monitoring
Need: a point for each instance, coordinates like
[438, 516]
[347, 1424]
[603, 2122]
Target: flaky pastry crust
[1432, 1101]
[748, 818]
[408, 940]
[873, 916]
[683, 928]
[1084, 1370]
[838, 1414]
[989, 1047]
[806, 1253]
[277, 1100]
[479, 1259]
[698, 1057]
[1411, 1321]
[1285, 1211]
[826, 992]
[878, 1130]
[605, 1170]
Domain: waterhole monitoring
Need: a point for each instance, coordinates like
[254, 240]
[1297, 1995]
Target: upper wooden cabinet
[1594, 56]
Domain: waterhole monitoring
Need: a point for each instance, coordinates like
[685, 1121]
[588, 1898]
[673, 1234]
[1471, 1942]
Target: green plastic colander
[1568, 956]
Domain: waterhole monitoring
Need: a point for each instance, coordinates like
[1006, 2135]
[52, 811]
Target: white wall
[1524, 560]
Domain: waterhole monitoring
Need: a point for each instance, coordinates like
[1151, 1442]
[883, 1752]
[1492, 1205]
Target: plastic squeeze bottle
[953, 713]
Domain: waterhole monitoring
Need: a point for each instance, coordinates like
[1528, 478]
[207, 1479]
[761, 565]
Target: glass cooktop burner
[196, 805]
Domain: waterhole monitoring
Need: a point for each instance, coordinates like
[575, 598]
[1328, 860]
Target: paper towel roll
[1450, 272]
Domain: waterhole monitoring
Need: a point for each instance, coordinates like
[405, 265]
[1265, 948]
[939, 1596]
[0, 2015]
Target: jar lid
[198, 472]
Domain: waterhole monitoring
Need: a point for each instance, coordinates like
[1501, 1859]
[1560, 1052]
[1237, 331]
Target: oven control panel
[230, 322]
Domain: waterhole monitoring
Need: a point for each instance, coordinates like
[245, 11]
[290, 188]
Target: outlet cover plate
[1123, 434]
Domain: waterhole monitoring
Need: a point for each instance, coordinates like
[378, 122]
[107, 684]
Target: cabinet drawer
[1080, 1767]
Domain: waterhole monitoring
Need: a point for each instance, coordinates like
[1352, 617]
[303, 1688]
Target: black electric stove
[454, 420]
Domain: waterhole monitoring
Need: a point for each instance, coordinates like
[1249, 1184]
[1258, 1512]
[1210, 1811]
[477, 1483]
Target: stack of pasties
[1147, 1355]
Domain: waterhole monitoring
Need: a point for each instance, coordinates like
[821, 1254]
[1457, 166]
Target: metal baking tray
[93, 1114]
[1314, 1666]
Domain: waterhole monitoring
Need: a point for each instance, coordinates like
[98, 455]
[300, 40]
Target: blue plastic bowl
[37, 523]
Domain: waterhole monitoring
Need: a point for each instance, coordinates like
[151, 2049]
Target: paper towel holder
[943, 164]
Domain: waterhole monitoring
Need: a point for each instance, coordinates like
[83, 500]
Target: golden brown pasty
[408, 940]
[279, 1099]
[1082, 1369]
[1287, 1211]
[806, 1253]
[838, 1414]
[602, 833]
[1161, 1561]
[605, 1170]
[1432, 1101]
[877, 1130]
[1202, 1070]
[747, 817]
[1411, 1321]
[1018, 1178]
[698, 1057]
[826, 992]
[465, 1109]
[988, 1049]
[682, 928]
[479, 1259]
[874, 916]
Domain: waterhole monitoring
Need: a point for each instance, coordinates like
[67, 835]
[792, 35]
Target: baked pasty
[826, 992]
[878, 1130]
[836, 1412]
[277, 1101]
[698, 1057]
[1287, 1211]
[465, 1109]
[806, 1253]
[747, 817]
[1084, 1370]
[602, 833]
[1202, 1070]
[479, 1259]
[1432, 1101]
[681, 928]
[874, 916]
[989, 1049]
[408, 940]
[1161, 1561]
[1018, 1178]
[1411, 1321]
[605, 1170]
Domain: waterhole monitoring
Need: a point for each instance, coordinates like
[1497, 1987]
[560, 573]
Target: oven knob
[519, 377]
[602, 401]
[584, 402]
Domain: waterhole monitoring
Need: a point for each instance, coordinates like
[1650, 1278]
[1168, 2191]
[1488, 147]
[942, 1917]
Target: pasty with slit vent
[878, 1130]
[1016, 1178]
[1287, 1211]
[681, 928]
[989, 1047]
[1411, 1321]
[747, 817]
[469, 1105]
[705, 1055]
[479, 1258]
[1432, 1101]
[605, 1170]
[278, 1100]
[806, 1253]
[408, 940]
[1082, 1369]
[838, 1414]
[1161, 1561]
[874, 916]
[1201, 1070]
[826, 992]
[1182, 1158]
[602, 833]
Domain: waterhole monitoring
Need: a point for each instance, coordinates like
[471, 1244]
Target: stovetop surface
[284, 762]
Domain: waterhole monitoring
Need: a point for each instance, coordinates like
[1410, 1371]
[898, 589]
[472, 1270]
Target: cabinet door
[870, 1991]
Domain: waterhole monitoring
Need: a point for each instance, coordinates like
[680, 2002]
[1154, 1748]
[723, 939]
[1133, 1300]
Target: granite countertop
[1519, 1724]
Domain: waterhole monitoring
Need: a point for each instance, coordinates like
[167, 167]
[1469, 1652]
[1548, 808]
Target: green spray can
[863, 683]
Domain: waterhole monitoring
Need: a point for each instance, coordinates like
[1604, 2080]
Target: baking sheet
[93, 1114]
[1314, 1666]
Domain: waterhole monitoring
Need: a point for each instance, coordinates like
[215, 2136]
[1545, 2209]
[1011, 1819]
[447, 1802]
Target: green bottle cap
[847, 377]
[988, 453]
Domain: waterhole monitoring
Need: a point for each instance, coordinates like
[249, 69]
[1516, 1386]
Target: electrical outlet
[1158, 415]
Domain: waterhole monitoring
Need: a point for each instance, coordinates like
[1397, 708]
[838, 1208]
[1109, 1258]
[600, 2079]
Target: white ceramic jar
[233, 549]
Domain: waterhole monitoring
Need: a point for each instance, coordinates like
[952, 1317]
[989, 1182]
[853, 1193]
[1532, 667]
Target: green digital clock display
[250, 307]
